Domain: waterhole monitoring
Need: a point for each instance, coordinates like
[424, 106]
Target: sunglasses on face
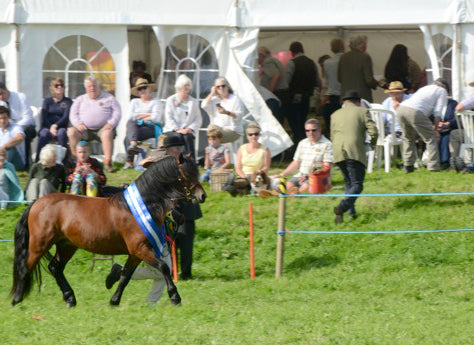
[311, 130]
[253, 134]
[141, 88]
[221, 86]
[58, 85]
[211, 137]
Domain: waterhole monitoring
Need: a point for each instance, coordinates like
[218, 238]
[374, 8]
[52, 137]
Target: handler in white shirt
[413, 115]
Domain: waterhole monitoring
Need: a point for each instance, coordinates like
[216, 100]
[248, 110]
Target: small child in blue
[217, 156]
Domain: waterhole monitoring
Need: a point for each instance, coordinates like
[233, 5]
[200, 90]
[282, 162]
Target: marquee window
[73, 58]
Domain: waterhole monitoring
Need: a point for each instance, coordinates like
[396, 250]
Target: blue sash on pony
[155, 235]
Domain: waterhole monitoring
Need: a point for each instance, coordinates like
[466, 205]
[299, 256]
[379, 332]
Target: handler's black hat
[351, 95]
[169, 140]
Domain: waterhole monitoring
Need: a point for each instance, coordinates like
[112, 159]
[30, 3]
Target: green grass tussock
[336, 289]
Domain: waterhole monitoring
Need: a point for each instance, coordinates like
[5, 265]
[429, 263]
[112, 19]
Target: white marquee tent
[43, 38]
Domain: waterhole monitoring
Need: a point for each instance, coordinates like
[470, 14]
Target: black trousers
[185, 242]
[354, 175]
[30, 134]
[333, 105]
[296, 114]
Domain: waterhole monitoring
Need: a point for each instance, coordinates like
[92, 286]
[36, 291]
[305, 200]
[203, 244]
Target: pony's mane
[159, 186]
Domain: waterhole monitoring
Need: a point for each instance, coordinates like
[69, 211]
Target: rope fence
[282, 231]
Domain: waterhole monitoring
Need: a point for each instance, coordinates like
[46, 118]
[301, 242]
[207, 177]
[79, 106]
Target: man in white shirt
[21, 115]
[315, 149]
[397, 95]
[413, 115]
[333, 92]
[11, 138]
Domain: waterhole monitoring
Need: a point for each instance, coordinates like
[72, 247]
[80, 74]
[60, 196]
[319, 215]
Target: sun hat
[142, 82]
[395, 86]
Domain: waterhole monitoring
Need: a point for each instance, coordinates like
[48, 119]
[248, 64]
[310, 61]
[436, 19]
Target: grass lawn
[336, 289]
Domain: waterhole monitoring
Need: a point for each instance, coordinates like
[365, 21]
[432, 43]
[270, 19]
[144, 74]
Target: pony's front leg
[125, 275]
[172, 289]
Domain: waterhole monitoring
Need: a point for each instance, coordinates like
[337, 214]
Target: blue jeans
[354, 175]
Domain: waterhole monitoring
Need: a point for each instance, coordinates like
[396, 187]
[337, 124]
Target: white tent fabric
[233, 48]
[9, 54]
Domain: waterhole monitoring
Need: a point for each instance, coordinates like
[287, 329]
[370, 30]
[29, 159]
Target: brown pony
[100, 225]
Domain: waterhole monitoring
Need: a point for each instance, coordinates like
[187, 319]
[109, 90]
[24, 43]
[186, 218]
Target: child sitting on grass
[10, 189]
[217, 156]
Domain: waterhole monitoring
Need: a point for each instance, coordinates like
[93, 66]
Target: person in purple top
[54, 117]
[94, 115]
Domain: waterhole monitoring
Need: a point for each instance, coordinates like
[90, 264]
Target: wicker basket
[218, 180]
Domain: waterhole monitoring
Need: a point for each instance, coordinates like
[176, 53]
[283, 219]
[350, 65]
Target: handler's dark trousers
[184, 242]
[354, 174]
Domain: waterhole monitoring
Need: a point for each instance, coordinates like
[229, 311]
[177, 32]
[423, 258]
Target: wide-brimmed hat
[142, 82]
[351, 95]
[395, 86]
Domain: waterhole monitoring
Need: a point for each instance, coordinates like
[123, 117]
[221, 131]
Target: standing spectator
[355, 70]
[273, 78]
[146, 118]
[85, 175]
[21, 115]
[413, 115]
[315, 150]
[348, 133]
[54, 117]
[302, 77]
[12, 139]
[10, 189]
[46, 176]
[182, 114]
[225, 110]
[94, 115]
[401, 68]
[330, 69]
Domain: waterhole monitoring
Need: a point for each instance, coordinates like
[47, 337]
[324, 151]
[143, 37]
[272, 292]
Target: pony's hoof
[16, 301]
[70, 304]
[114, 303]
[176, 301]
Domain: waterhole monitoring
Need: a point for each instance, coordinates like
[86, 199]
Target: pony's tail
[21, 275]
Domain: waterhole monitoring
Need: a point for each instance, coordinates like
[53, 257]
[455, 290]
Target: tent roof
[242, 13]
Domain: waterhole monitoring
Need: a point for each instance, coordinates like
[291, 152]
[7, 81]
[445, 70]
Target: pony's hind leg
[64, 252]
[125, 276]
[175, 298]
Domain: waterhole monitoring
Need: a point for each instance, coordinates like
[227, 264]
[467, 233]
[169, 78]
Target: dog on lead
[259, 180]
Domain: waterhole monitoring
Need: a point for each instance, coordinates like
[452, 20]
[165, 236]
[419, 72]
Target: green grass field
[336, 289]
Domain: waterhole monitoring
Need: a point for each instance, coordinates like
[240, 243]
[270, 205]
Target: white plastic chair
[383, 144]
[466, 120]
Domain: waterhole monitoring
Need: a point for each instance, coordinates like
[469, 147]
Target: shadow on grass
[425, 201]
[310, 261]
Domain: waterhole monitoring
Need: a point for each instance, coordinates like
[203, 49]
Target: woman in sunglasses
[54, 117]
[146, 118]
[225, 110]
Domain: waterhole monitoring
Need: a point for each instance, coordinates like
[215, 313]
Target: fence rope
[387, 232]
[371, 195]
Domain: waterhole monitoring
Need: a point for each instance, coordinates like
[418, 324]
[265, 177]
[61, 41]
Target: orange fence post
[252, 251]
[174, 261]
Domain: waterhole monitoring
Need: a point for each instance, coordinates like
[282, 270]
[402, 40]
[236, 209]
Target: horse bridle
[188, 196]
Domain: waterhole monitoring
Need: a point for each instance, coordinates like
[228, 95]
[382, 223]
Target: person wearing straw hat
[413, 115]
[146, 118]
[397, 95]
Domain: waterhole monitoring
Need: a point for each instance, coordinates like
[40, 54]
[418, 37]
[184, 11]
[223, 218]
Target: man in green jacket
[348, 132]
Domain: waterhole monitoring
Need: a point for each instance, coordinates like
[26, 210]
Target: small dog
[259, 180]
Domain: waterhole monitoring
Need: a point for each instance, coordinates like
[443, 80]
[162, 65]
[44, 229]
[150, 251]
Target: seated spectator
[446, 124]
[85, 175]
[145, 120]
[138, 72]
[182, 113]
[10, 189]
[12, 139]
[313, 152]
[225, 110]
[216, 156]
[94, 115]
[21, 115]
[46, 176]
[252, 158]
[54, 117]
[397, 95]
[456, 136]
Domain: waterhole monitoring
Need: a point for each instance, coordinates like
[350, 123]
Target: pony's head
[189, 177]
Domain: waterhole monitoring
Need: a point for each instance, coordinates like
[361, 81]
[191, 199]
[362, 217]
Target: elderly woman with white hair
[46, 176]
[225, 110]
[182, 114]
